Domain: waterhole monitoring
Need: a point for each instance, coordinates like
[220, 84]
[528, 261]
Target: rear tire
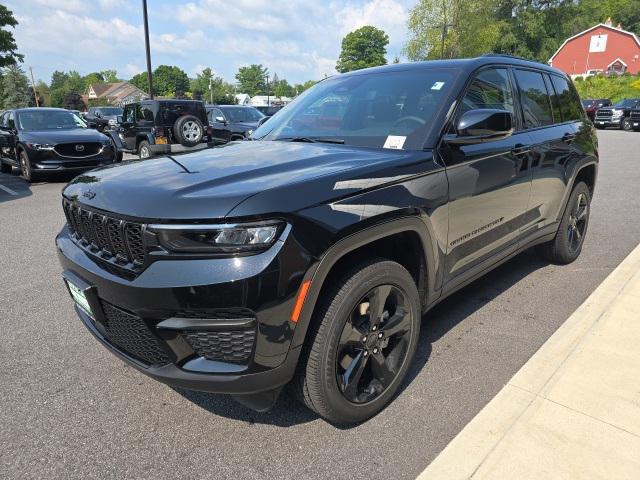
[359, 349]
[188, 130]
[567, 244]
[144, 150]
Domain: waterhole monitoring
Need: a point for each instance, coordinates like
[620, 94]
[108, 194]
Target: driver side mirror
[480, 126]
[119, 119]
[262, 121]
[221, 120]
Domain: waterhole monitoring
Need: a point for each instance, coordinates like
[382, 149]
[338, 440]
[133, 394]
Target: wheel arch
[402, 240]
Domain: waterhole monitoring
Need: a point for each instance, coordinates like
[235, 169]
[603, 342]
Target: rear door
[129, 126]
[489, 184]
[553, 117]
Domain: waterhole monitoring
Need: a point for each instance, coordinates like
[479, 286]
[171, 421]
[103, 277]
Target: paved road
[68, 408]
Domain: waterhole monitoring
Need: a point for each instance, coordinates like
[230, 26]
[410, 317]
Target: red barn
[602, 48]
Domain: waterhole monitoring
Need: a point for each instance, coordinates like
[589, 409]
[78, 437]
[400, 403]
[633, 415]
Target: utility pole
[268, 102]
[33, 84]
[146, 41]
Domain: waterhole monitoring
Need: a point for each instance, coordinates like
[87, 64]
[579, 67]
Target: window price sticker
[395, 142]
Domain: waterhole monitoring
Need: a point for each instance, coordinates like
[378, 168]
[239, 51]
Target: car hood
[75, 135]
[246, 124]
[208, 184]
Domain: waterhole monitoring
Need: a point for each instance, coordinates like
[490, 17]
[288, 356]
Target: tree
[58, 79]
[251, 79]
[44, 93]
[93, 78]
[221, 92]
[452, 28]
[141, 81]
[301, 87]
[362, 48]
[110, 76]
[15, 88]
[8, 48]
[169, 81]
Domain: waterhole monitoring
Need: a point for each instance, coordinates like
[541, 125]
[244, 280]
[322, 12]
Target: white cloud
[297, 39]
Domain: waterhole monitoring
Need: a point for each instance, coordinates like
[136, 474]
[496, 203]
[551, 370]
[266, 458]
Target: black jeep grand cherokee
[311, 253]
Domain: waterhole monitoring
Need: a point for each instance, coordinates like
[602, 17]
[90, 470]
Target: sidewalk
[573, 410]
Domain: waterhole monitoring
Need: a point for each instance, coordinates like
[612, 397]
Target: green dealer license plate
[80, 298]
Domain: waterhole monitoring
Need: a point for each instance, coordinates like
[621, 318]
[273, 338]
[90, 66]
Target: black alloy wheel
[627, 125]
[578, 222]
[361, 340]
[26, 170]
[373, 344]
[567, 244]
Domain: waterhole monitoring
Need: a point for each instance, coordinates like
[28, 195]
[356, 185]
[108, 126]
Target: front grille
[635, 114]
[111, 238]
[227, 346]
[131, 334]
[78, 150]
[604, 114]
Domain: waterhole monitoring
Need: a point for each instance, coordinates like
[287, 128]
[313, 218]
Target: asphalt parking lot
[70, 409]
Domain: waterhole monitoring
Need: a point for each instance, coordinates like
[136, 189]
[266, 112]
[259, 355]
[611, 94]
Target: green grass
[615, 88]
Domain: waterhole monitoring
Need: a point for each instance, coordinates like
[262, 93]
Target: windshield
[242, 114]
[32, 120]
[627, 103]
[373, 110]
[111, 111]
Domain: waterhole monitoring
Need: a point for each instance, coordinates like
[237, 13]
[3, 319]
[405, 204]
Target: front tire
[26, 169]
[144, 150]
[567, 244]
[626, 124]
[363, 337]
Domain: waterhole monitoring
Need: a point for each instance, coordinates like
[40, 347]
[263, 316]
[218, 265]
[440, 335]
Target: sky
[297, 39]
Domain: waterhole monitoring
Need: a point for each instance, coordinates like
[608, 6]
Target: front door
[129, 126]
[220, 130]
[489, 184]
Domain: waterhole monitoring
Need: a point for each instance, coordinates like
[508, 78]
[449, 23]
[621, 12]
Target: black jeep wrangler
[152, 127]
[311, 252]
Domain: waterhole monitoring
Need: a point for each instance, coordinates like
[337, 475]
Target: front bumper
[193, 292]
[608, 122]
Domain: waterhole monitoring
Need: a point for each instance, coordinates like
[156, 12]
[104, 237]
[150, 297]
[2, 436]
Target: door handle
[568, 138]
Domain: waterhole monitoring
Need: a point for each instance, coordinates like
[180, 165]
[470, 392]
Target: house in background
[242, 99]
[268, 100]
[117, 94]
[599, 49]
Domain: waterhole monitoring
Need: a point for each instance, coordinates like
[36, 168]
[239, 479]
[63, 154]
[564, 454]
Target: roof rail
[506, 55]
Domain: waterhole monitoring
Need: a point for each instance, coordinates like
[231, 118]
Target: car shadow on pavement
[435, 324]
[13, 187]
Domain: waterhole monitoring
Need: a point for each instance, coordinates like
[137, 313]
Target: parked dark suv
[45, 140]
[232, 122]
[310, 253]
[154, 127]
[103, 117]
[618, 115]
[634, 116]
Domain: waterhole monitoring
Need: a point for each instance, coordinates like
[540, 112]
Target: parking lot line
[8, 190]
[570, 410]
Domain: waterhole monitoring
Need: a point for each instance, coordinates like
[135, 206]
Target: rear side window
[490, 89]
[146, 114]
[536, 107]
[568, 99]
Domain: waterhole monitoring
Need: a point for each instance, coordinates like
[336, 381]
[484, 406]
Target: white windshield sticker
[437, 86]
[394, 141]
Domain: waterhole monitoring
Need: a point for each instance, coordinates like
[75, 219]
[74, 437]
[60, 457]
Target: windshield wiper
[312, 140]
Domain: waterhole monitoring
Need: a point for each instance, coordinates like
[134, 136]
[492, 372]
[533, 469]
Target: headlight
[617, 113]
[240, 238]
[248, 134]
[40, 146]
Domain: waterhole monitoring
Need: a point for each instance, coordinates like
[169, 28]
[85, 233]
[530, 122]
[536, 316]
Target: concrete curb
[573, 410]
